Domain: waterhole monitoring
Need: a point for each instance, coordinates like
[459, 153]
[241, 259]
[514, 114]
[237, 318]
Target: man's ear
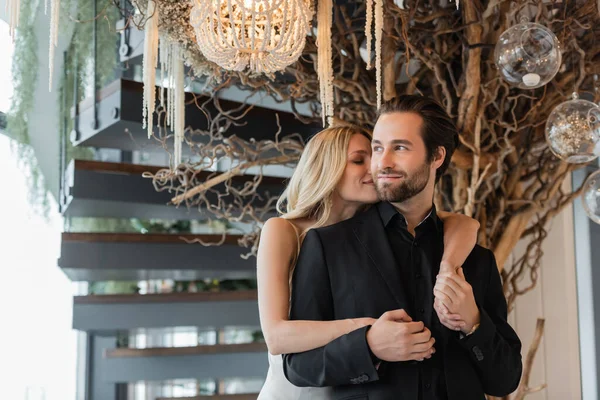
[439, 156]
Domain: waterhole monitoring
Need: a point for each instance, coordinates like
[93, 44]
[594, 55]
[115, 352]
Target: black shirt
[418, 259]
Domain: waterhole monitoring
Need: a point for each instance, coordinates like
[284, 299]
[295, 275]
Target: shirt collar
[388, 212]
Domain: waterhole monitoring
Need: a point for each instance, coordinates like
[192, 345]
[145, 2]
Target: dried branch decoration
[503, 173]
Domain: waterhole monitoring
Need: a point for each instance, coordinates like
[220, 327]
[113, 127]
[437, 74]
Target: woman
[331, 183]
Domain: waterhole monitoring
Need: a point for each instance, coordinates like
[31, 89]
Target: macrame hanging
[378, 4]
[172, 70]
[54, 17]
[369, 31]
[12, 9]
[149, 65]
[324, 59]
[378, 47]
[264, 36]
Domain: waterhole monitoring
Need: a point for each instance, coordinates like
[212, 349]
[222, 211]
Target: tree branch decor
[503, 172]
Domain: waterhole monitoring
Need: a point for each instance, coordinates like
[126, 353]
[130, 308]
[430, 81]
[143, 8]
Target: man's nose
[385, 161]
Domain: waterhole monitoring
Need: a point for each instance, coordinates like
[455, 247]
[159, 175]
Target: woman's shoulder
[277, 227]
[278, 236]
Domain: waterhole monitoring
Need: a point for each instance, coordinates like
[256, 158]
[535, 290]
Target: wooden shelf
[245, 396]
[186, 351]
[147, 238]
[137, 169]
[240, 295]
[118, 190]
[118, 113]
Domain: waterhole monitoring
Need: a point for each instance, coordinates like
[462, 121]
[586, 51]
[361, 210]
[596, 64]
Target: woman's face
[356, 184]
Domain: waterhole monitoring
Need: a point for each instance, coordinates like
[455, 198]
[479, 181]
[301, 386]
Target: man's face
[399, 161]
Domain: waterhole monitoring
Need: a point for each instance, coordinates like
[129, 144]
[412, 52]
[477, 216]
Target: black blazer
[347, 270]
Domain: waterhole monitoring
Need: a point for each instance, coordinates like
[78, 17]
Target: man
[384, 263]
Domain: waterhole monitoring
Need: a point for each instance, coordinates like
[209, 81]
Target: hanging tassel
[149, 65]
[324, 59]
[378, 46]
[54, 17]
[12, 9]
[163, 51]
[369, 31]
[179, 103]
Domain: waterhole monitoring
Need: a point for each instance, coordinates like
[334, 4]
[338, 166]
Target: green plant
[24, 79]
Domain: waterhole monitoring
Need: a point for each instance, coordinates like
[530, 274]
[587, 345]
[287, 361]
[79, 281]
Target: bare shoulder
[278, 243]
[279, 231]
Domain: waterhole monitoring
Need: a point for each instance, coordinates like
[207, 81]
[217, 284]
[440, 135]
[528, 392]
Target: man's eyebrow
[395, 141]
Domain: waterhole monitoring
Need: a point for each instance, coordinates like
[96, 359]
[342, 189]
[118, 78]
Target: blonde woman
[331, 183]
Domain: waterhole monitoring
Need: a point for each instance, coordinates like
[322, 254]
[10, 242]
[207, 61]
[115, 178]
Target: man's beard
[409, 187]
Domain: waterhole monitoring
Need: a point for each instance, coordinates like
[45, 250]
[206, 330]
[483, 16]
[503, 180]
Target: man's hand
[454, 302]
[394, 337]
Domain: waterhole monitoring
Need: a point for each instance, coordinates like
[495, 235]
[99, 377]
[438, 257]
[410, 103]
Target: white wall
[555, 299]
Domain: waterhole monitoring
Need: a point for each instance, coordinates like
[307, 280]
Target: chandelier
[264, 36]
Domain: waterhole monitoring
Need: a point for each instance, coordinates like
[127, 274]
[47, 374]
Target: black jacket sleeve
[345, 360]
[495, 348]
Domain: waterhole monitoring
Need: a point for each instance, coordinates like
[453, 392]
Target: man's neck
[415, 210]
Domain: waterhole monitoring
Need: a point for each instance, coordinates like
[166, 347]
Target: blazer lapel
[370, 232]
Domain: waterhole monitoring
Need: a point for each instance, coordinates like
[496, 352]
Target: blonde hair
[309, 193]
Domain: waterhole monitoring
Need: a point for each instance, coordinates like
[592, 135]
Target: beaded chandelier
[264, 36]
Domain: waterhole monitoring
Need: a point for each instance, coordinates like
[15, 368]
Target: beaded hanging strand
[149, 65]
[369, 31]
[177, 71]
[54, 18]
[12, 9]
[324, 59]
[378, 46]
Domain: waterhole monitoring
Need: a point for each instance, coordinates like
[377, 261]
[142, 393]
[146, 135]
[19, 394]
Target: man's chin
[386, 194]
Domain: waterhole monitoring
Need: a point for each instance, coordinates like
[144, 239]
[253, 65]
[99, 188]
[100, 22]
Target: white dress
[277, 387]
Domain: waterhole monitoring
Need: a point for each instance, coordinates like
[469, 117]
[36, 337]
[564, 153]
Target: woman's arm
[460, 237]
[278, 245]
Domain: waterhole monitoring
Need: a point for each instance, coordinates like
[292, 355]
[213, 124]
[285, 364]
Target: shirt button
[427, 386]
[418, 276]
[415, 243]
[422, 311]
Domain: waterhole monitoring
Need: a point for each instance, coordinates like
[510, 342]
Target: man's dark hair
[438, 128]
